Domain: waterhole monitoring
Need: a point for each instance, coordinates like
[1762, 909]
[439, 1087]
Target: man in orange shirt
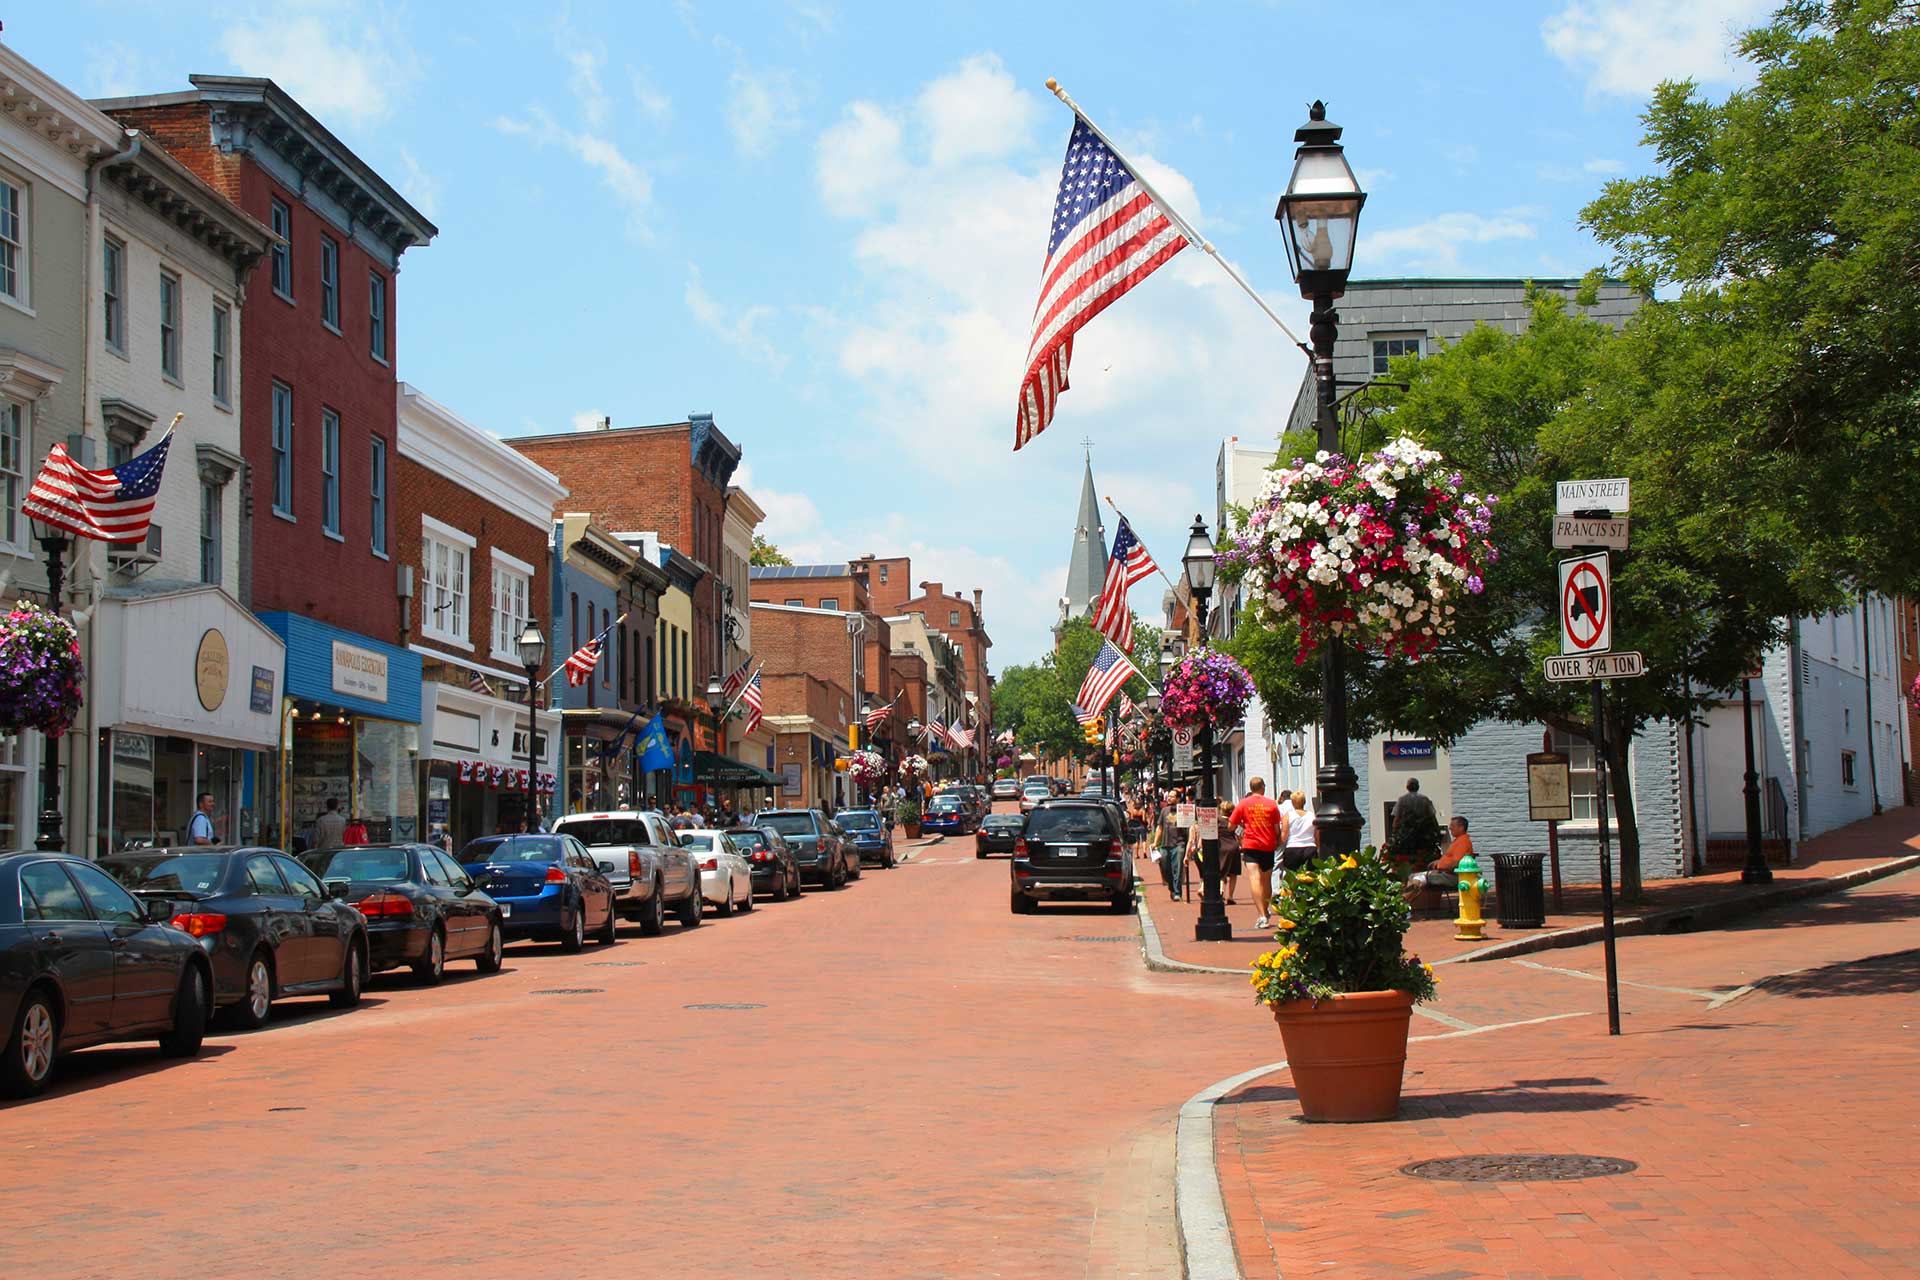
[1441, 872]
[1257, 819]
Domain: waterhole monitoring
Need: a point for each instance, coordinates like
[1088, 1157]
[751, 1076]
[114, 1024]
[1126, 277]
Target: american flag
[750, 699]
[961, 738]
[1084, 716]
[1107, 236]
[580, 666]
[1128, 564]
[733, 683]
[935, 732]
[477, 682]
[878, 716]
[115, 505]
[1126, 706]
[1109, 671]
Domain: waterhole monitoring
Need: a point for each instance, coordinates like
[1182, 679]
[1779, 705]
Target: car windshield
[751, 839]
[858, 819]
[388, 865]
[698, 839]
[787, 824]
[186, 872]
[1006, 820]
[594, 832]
[513, 849]
[946, 804]
[1037, 788]
[1069, 822]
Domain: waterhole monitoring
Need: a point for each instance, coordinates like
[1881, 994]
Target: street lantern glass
[716, 696]
[533, 647]
[1198, 559]
[1320, 211]
[1153, 700]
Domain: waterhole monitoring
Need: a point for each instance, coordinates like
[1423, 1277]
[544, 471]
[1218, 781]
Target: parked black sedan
[261, 918]
[422, 907]
[770, 859]
[998, 833]
[548, 886]
[82, 963]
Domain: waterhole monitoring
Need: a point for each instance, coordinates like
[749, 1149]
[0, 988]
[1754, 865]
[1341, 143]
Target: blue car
[548, 887]
[868, 835]
[949, 815]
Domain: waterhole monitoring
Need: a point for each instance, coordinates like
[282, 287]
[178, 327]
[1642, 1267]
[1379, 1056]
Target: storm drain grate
[1518, 1168]
[273, 1109]
[568, 991]
[1098, 937]
[615, 964]
[724, 1005]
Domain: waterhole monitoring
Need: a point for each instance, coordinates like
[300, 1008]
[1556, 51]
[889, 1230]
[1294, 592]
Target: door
[145, 955]
[595, 896]
[281, 926]
[467, 904]
[451, 911]
[325, 928]
[74, 946]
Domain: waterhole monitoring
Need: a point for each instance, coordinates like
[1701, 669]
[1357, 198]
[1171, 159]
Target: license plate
[1070, 850]
[506, 909]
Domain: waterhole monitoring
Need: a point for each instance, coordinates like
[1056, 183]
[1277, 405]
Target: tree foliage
[1036, 699]
[765, 554]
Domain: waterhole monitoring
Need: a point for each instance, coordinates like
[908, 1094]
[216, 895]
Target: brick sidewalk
[1894, 834]
[1774, 1134]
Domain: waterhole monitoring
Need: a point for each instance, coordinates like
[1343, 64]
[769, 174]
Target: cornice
[441, 440]
[173, 193]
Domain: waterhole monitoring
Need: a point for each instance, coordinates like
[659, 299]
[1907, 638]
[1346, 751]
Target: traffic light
[853, 737]
[1096, 731]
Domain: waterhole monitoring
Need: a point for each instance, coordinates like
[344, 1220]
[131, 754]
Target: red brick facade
[959, 620]
[420, 490]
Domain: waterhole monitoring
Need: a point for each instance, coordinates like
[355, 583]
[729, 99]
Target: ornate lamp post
[1320, 213]
[1213, 925]
[533, 655]
[52, 837]
[716, 703]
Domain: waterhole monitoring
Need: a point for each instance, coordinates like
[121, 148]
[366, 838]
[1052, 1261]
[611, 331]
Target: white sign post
[1571, 497]
[1586, 605]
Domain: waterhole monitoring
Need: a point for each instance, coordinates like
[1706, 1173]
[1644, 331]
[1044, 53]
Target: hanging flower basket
[1205, 687]
[1913, 695]
[913, 767]
[40, 672]
[1374, 551]
[867, 768]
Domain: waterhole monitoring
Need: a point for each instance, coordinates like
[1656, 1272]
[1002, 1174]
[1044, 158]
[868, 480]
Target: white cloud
[421, 188]
[1597, 167]
[340, 59]
[587, 420]
[763, 106]
[651, 99]
[629, 184]
[976, 113]
[116, 70]
[740, 330]
[858, 158]
[1626, 47]
[584, 59]
[1434, 245]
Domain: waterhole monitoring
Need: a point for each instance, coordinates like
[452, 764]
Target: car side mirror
[159, 910]
[337, 890]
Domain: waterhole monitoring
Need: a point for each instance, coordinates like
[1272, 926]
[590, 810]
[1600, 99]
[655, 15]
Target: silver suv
[637, 851]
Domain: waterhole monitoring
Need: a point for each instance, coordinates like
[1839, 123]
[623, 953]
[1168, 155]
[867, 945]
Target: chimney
[976, 604]
[606, 423]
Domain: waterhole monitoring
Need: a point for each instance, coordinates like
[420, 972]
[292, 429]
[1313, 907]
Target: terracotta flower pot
[1347, 1054]
[913, 830]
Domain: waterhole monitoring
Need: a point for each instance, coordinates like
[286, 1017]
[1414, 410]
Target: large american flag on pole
[878, 715]
[1127, 565]
[733, 683]
[113, 505]
[1109, 671]
[750, 699]
[579, 667]
[1108, 235]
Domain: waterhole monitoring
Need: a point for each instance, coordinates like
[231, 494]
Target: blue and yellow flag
[655, 753]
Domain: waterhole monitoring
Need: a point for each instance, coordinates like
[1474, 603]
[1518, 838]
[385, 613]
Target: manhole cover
[271, 1109]
[615, 964]
[1101, 937]
[1517, 1168]
[479, 1038]
[724, 1005]
[568, 991]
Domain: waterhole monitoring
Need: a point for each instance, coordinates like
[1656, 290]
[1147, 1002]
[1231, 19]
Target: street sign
[1571, 532]
[1207, 818]
[1586, 605]
[1549, 787]
[1574, 496]
[1183, 751]
[1596, 666]
[1183, 815]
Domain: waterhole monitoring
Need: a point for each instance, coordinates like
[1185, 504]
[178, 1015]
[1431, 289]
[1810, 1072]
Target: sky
[823, 221]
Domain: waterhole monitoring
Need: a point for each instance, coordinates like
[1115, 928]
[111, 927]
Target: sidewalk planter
[913, 829]
[1347, 1053]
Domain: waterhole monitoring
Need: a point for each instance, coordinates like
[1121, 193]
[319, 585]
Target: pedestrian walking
[1256, 819]
[200, 826]
[1230, 856]
[1303, 837]
[330, 828]
[1172, 844]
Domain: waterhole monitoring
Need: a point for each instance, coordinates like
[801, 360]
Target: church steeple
[1087, 568]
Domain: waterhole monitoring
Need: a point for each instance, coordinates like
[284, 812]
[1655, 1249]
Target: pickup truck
[641, 857]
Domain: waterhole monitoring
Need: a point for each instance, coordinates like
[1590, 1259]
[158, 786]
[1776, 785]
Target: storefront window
[389, 799]
[13, 808]
[322, 770]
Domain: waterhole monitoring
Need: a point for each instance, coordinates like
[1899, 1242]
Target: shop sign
[210, 670]
[790, 779]
[359, 672]
[1408, 749]
[262, 689]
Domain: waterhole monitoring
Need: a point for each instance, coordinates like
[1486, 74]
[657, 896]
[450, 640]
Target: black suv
[1074, 850]
[820, 849]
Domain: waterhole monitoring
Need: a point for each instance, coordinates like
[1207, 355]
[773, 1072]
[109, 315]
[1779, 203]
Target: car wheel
[746, 903]
[857, 868]
[432, 966]
[353, 978]
[189, 1016]
[653, 917]
[610, 931]
[796, 882]
[689, 910]
[490, 960]
[726, 908]
[1022, 904]
[256, 1001]
[978, 852]
[31, 1048]
[575, 937]
[780, 888]
[837, 878]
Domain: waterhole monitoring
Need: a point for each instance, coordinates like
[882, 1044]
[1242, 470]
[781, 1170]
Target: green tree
[1785, 223]
[764, 554]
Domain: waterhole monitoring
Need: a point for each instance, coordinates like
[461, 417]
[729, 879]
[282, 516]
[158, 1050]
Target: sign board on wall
[359, 672]
[262, 699]
[1183, 815]
[1208, 819]
[1549, 787]
[210, 669]
[1408, 749]
[790, 779]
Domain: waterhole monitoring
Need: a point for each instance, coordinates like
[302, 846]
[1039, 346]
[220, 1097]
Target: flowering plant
[1342, 924]
[866, 767]
[1204, 686]
[913, 767]
[1003, 762]
[1913, 694]
[40, 672]
[1374, 550]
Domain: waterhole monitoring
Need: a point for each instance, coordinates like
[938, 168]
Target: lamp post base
[52, 838]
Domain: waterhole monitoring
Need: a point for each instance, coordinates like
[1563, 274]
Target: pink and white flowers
[1375, 551]
[866, 768]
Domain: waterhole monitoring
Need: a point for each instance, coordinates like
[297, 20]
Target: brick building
[470, 525]
[317, 402]
[843, 589]
[960, 621]
[670, 480]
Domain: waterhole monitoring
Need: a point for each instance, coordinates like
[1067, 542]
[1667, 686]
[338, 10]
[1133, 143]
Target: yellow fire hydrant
[1473, 889]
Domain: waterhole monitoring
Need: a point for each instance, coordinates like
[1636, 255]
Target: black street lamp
[1213, 925]
[1756, 871]
[1320, 213]
[533, 655]
[717, 703]
[52, 838]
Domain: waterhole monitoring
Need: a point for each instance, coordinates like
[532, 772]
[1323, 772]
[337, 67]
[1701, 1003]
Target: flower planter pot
[1347, 1054]
[913, 830]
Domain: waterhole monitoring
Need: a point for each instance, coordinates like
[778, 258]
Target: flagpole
[743, 691]
[1185, 227]
[1156, 564]
[605, 632]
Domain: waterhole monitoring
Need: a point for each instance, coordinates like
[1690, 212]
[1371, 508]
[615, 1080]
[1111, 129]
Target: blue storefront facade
[349, 733]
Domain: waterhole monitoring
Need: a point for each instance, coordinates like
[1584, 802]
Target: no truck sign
[1586, 605]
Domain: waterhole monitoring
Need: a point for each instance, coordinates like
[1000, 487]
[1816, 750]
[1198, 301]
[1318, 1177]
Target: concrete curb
[1155, 955]
[1705, 915]
[1200, 1212]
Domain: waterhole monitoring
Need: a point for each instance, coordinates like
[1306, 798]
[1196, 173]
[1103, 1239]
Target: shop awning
[709, 766]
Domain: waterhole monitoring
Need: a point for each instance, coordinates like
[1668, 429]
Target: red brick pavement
[1894, 834]
[935, 1087]
[1775, 1134]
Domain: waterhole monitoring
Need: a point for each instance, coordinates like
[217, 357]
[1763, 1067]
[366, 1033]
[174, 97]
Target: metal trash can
[1518, 894]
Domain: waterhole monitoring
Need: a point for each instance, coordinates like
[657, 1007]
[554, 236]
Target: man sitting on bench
[1440, 875]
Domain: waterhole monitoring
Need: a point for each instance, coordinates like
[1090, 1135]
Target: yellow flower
[1306, 877]
[1284, 923]
[1347, 863]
